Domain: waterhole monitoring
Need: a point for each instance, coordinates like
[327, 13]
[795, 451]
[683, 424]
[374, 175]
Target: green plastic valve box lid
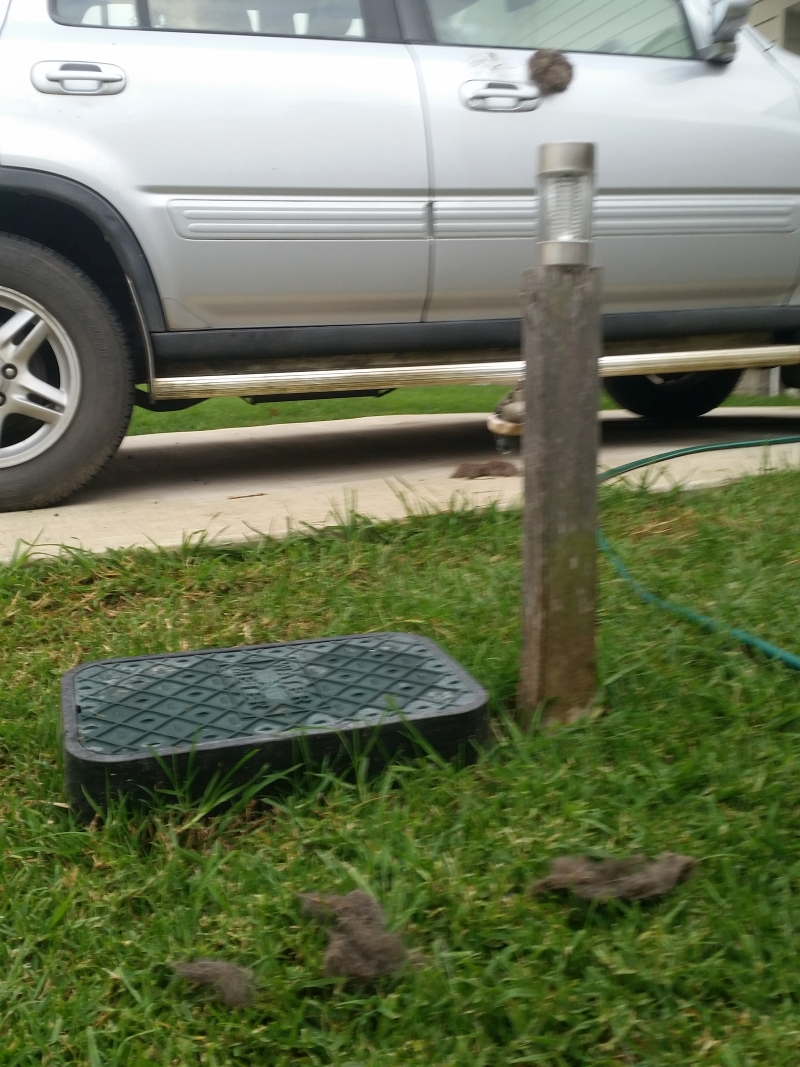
[126, 723]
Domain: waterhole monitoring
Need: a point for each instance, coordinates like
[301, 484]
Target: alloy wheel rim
[40, 379]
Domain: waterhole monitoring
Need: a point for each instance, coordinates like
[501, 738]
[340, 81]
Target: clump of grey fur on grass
[359, 946]
[233, 985]
[632, 878]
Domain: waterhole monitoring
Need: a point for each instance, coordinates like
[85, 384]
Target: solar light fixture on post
[561, 348]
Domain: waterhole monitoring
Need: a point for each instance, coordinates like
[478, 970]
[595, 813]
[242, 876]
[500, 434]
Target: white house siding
[779, 20]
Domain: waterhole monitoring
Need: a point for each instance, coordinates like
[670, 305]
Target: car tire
[672, 397]
[67, 361]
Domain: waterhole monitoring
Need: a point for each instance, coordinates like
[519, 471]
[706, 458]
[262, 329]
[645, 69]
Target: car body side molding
[275, 342]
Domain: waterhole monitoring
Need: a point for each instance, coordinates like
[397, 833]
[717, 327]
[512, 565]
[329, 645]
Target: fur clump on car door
[550, 70]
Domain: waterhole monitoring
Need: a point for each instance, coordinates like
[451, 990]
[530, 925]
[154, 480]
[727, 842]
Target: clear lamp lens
[565, 207]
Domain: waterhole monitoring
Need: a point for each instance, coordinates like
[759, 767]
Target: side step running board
[493, 373]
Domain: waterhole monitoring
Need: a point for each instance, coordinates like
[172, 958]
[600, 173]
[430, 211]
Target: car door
[697, 185]
[269, 154]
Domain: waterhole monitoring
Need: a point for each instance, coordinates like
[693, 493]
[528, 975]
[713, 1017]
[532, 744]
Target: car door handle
[78, 79]
[499, 96]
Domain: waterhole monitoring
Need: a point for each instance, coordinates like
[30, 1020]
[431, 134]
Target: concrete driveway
[236, 484]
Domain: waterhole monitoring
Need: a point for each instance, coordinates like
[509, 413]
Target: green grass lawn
[785, 400]
[697, 750]
[231, 411]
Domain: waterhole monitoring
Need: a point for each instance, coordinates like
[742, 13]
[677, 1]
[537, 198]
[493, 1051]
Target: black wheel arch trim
[109, 221]
[281, 342]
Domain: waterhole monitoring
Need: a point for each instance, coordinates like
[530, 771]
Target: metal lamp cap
[565, 253]
[566, 157]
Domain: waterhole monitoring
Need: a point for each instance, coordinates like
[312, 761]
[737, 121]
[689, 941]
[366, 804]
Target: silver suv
[281, 198]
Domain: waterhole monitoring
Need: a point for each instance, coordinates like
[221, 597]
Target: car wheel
[672, 397]
[66, 382]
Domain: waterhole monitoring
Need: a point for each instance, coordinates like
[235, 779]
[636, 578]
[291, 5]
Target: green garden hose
[742, 636]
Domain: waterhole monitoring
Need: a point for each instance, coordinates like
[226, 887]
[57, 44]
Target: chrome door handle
[499, 96]
[78, 79]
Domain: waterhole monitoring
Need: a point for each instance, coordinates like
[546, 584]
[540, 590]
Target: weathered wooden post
[561, 347]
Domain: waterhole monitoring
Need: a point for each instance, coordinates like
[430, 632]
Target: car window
[625, 27]
[291, 18]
